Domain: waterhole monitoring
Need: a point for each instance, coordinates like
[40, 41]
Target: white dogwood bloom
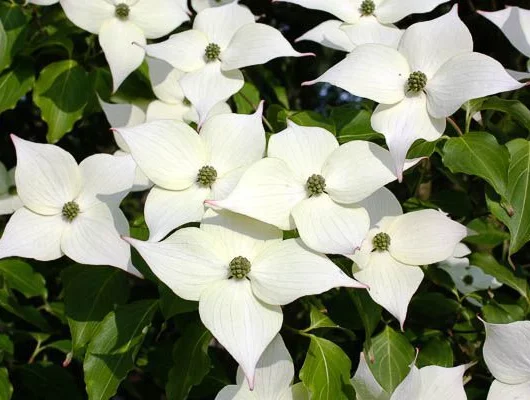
[514, 22]
[428, 78]
[241, 272]
[9, 200]
[68, 208]
[427, 383]
[310, 183]
[199, 5]
[123, 27]
[507, 355]
[188, 168]
[223, 40]
[389, 258]
[274, 375]
[42, 2]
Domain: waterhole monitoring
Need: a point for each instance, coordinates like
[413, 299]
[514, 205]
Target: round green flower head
[468, 280]
[239, 267]
[381, 241]
[207, 176]
[416, 82]
[316, 184]
[212, 52]
[122, 11]
[70, 210]
[12, 190]
[367, 7]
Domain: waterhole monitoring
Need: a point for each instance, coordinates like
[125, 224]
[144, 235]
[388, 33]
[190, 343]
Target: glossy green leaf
[312, 118]
[15, 24]
[15, 83]
[19, 275]
[6, 389]
[497, 313]
[61, 92]
[113, 349]
[171, 304]
[191, 362]
[353, 124]
[489, 233]
[3, 41]
[28, 313]
[247, 99]
[369, 311]
[436, 351]
[514, 108]
[317, 319]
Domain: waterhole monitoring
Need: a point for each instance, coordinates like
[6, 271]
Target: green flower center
[207, 176]
[381, 241]
[12, 190]
[239, 267]
[122, 11]
[212, 52]
[70, 210]
[416, 82]
[316, 184]
[367, 7]
[468, 280]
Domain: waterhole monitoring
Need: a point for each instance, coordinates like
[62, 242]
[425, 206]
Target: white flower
[42, 2]
[241, 272]
[515, 24]
[310, 183]
[123, 26]
[9, 200]
[427, 383]
[69, 209]
[223, 40]
[274, 375]
[388, 261]
[431, 74]
[507, 355]
[188, 168]
[199, 5]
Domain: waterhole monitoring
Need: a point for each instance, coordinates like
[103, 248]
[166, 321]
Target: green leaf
[191, 362]
[6, 346]
[318, 319]
[312, 118]
[15, 83]
[3, 42]
[28, 313]
[326, 371]
[392, 355]
[504, 274]
[91, 292]
[437, 351]
[369, 311]
[19, 275]
[6, 389]
[489, 233]
[478, 153]
[171, 304]
[353, 124]
[61, 92]
[15, 24]
[422, 148]
[247, 99]
[496, 313]
[113, 349]
[514, 108]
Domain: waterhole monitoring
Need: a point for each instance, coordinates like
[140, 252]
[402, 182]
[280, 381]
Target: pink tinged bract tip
[250, 381]
[210, 202]
[309, 83]
[308, 55]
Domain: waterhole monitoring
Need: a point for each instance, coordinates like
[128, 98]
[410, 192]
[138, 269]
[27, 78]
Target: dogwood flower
[42, 2]
[188, 168]
[274, 375]
[223, 40]
[9, 200]
[427, 383]
[311, 183]
[199, 5]
[69, 209]
[431, 74]
[514, 22]
[124, 25]
[389, 258]
[241, 272]
[507, 355]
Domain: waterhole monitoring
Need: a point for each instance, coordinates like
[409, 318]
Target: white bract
[274, 375]
[42, 2]
[515, 24]
[507, 355]
[188, 168]
[427, 383]
[223, 40]
[389, 258]
[199, 5]
[428, 78]
[124, 25]
[310, 183]
[241, 272]
[9, 200]
[68, 208]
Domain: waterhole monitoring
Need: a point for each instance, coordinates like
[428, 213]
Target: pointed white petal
[140, 182]
[346, 10]
[304, 149]
[267, 191]
[43, 2]
[365, 385]
[224, 185]
[289, 270]
[356, 170]
[88, 15]
[391, 283]
[158, 110]
[374, 71]
[47, 176]
[394, 10]
[231, 392]
[199, 5]
[410, 387]
[239, 321]
[329, 34]
[438, 383]
[381, 204]
[119, 115]
[506, 352]
[209, 86]
[169, 152]
[32, 235]
[328, 227]
[165, 80]
[503, 391]
[465, 77]
[520, 76]
[123, 44]
[234, 140]
[428, 45]
[370, 30]
[157, 18]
